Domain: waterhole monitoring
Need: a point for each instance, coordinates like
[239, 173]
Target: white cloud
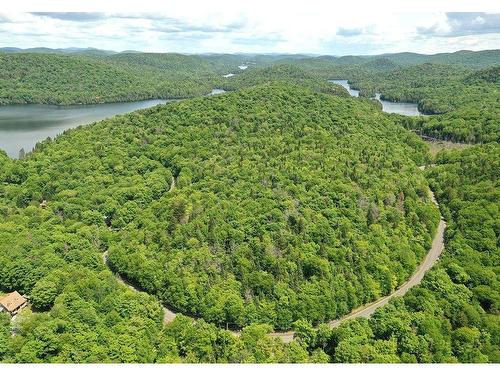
[463, 23]
[245, 27]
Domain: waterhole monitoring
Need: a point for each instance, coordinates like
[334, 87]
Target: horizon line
[81, 49]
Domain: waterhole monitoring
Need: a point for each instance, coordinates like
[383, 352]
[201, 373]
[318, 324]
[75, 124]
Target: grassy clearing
[435, 147]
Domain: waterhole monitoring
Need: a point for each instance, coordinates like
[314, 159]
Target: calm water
[401, 108]
[347, 86]
[22, 126]
[407, 109]
[216, 92]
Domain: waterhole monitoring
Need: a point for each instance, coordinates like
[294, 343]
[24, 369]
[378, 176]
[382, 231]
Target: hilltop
[265, 205]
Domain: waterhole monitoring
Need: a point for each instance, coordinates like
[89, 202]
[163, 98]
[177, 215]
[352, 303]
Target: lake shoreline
[22, 126]
[402, 108]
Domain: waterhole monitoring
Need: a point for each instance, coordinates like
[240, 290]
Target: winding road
[362, 311]
[368, 309]
[168, 315]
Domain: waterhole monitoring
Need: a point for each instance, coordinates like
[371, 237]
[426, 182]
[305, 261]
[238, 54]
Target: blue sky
[275, 28]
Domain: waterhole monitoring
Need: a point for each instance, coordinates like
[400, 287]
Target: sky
[275, 27]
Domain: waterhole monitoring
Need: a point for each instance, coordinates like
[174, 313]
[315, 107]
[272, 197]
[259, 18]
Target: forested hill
[464, 58]
[282, 73]
[453, 315]
[169, 62]
[459, 89]
[68, 79]
[267, 231]
[469, 102]
[72, 79]
[285, 204]
[436, 82]
[464, 102]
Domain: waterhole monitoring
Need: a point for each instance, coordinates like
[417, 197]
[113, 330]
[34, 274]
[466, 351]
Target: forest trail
[172, 185]
[362, 311]
[168, 315]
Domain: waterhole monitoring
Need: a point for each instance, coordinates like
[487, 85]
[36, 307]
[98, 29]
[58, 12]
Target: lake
[346, 85]
[402, 108]
[216, 92]
[23, 125]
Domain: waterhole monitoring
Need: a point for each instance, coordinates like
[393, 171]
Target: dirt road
[168, 315]
[362, 311]
[367, 310]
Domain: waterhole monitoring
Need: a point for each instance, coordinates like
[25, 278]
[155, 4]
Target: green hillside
[453, 315]
[67, 79]
[267, 205]
[464, 103]
[273, 207]
[281, 73]
[470, 59]
[461, 87]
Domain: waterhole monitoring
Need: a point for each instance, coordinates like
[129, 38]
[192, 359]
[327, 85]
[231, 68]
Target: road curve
[368, 309]
[168, 315]
[362, 311]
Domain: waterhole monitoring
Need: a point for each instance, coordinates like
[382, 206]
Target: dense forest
[61, 79]
[282, 73]
[88, 76]
[438, 83]
[460, 91]
[224, 208]
[279, 206]
[436, 88]
[468, 101]
[453, 315]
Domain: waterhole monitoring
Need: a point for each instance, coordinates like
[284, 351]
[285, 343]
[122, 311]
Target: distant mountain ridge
[70, 50]
[463, 57]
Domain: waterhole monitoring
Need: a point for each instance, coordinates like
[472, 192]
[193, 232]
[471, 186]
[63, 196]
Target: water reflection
[22, 126]
[402, 108]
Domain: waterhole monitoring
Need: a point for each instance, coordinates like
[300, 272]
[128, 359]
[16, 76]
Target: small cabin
[13, 303]
[43, 204]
